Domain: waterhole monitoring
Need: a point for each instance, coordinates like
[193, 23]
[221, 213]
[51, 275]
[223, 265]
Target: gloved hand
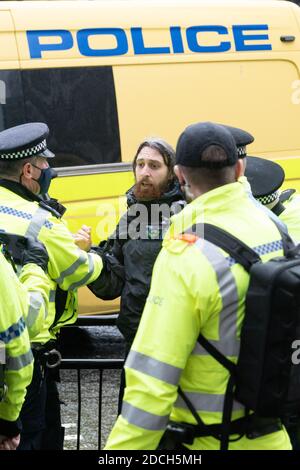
[35, 253]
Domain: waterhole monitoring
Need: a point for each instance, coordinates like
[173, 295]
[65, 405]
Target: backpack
[264, 379]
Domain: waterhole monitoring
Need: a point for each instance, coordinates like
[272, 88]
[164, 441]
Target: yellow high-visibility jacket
[195, 288]
[69, 267]
[291, 216]
[15, 305]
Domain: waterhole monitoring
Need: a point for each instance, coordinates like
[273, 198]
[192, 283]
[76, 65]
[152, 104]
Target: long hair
[166, 151]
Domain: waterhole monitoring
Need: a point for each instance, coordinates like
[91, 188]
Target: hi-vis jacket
[68, 267]
[195, 287]
[15, 305]
[291, 216]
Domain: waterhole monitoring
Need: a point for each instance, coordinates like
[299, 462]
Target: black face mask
[44, 180]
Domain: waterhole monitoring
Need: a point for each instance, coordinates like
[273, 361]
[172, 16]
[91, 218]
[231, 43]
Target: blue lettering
[240, 38]
[139, 47]
[177, 43]
[37, 45]
[36, 48]
[191, 35]
[84, 48]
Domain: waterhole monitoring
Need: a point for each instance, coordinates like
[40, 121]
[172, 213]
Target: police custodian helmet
[25, 141]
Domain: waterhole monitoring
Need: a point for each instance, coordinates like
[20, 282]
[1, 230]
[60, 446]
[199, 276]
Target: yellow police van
[106, 74]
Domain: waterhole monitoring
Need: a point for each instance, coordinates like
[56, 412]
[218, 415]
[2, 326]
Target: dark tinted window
[11, 99]
[79, 106]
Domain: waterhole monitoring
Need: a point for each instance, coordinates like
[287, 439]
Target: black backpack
[264, 380]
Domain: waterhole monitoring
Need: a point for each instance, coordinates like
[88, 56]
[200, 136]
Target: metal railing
[96, 320]
[88, 364]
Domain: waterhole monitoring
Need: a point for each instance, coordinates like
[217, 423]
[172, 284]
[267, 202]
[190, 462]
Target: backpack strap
[237, 249]
[287, 243]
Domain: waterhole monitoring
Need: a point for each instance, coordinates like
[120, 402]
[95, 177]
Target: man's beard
[150, 191]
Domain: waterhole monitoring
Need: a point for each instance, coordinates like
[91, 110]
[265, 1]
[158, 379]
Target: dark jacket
[129, 255]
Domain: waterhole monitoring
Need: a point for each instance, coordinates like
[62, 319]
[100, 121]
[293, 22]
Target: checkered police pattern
[14, 331]
[27, 153]
[260, 250]
[268, 199]
[21, 214]
[241, 150]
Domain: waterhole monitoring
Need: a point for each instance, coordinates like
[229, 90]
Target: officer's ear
[239, 169]
[179, 175]
[27, 171]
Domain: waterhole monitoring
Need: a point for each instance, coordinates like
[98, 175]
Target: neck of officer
[210, 180]
[13, 184]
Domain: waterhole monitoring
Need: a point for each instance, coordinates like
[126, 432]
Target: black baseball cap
[198, 137]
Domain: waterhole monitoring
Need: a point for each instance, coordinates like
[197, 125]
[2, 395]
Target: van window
[79, 106]
[11, 99]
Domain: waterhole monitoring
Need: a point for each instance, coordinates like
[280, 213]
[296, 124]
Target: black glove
[35, 253]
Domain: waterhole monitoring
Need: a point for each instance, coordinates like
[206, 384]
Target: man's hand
[9, 443]
[83, 238]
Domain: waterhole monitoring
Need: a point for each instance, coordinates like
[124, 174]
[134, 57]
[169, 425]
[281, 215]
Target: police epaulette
[45, 206]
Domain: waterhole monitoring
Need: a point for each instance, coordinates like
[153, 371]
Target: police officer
[16, 360]
[242, 139]
[265, 178]
[26, 177]
[194, 289]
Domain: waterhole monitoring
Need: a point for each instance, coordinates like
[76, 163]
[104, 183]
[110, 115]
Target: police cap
[242, 138]
[265, 178]
[197, 137]
[25, 141]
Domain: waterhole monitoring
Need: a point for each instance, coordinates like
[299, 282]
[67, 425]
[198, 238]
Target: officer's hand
[35, 253]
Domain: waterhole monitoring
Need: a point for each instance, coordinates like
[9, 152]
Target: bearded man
[129, 254]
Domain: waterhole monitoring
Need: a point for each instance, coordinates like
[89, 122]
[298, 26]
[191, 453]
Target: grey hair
[13, 167]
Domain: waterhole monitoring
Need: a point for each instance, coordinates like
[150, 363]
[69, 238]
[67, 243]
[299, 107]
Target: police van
[106, 74]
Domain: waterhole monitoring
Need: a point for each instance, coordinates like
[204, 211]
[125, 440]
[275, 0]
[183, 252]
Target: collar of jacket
[173, 193]
[24, 193]
[221, 199]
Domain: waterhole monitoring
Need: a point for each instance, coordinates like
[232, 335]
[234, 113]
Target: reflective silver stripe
[228, 344]
[17, 363]
[143, 419]
[268, 212]
[52, 296]
[150, 366]
[35, 302]
[37, 221]
[85, 279]
[71, 269]
[206, 402]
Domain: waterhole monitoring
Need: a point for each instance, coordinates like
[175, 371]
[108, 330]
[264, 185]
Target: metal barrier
[101, 365]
